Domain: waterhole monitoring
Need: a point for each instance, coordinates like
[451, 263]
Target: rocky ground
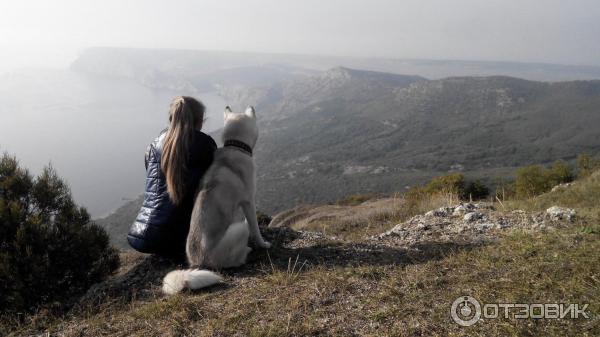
[470, 223]
[423, 237]
[369, 269]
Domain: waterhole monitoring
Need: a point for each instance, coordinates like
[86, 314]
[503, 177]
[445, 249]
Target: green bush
[456, 184]
[559, 173]
[263, 219]
[453, 183]
[586, 164]
[505, 189]
[531, 181]
[50, 251]
[535, 179]
[475, 190]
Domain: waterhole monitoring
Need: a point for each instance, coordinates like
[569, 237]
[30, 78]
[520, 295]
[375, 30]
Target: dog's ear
[227, 112]
[250, 111]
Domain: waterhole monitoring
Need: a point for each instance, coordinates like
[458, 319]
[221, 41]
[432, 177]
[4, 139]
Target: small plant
[419, 200]
[263, 219]
[288, 276]
[591, 229]
[505, 190]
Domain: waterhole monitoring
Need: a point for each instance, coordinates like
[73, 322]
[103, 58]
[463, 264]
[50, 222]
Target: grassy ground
[406, 299]
[395, 293]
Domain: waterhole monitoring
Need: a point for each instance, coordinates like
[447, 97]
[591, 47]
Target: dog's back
[217, 204]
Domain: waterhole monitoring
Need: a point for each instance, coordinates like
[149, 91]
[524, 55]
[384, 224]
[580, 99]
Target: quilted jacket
[160, 226]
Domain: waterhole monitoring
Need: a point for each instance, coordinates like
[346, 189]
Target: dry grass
[364, 219]
[407, 297]
[583, 195]
[378, 300]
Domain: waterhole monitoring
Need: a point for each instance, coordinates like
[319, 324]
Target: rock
[441, 212]
[561, 213]
[472, 216]
[424, 226]
[484, 226]
[459, 210]
[466, 222]
[484, 205]
[503, 223]
[561, 186]
[470, 207]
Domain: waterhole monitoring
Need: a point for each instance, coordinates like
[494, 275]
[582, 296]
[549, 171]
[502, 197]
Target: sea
[92, 130]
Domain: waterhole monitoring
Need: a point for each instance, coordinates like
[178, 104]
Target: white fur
[218, 236]
[177, 280]
[233, 248]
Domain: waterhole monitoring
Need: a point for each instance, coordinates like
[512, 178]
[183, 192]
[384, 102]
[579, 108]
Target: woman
[175, 163]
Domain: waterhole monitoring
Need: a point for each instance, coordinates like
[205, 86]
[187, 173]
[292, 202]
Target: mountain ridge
[352, 137]
[169, 62]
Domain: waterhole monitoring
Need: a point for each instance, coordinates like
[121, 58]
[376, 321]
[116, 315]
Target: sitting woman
[175, 163]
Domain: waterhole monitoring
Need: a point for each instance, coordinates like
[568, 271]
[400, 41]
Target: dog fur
[218, 236]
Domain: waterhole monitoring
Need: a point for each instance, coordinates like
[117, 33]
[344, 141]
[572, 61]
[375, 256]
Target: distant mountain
[349, 131]
[198, 70]
[186, 70]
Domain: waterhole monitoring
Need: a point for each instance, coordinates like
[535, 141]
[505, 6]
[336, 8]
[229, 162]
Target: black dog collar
[240, 145]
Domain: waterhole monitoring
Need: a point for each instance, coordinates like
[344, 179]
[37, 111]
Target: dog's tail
[177, 280]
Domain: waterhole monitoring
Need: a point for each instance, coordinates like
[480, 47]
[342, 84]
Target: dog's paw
[264, 244]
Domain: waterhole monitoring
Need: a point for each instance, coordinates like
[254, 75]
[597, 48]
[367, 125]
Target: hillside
[118, 222]
[401, 282]
[348, 131]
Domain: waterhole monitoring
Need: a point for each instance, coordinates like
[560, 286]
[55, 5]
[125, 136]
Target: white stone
[459, 210]
[484, 226]
[561, 213]
[472, 216]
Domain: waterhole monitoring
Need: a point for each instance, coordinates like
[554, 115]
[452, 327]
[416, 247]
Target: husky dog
[218, 236]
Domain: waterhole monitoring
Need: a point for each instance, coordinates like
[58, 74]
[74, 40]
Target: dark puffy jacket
[162, 227]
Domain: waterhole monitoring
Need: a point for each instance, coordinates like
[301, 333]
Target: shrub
[559, 173]
[535, 179]
[453, 183]
[263, 219]
[505, 189]
[418, 200]
[50, 250]
[531, 181]
[475, 190]
[586, 164]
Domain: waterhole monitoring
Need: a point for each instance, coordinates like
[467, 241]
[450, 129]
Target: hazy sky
[34, 33]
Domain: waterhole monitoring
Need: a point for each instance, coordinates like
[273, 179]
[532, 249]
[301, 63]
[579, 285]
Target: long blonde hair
[185, 115]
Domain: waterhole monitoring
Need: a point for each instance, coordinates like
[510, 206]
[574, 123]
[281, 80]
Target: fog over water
[93, 130]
